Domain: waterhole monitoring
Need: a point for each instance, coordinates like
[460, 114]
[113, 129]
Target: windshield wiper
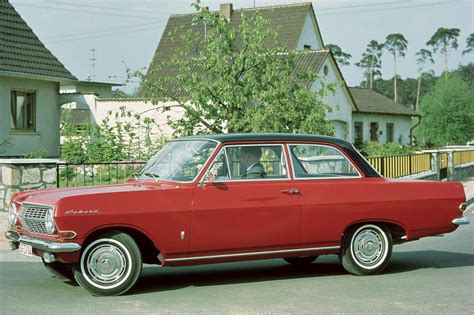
[154, 176]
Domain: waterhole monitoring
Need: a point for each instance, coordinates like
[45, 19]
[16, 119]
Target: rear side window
[320, 161]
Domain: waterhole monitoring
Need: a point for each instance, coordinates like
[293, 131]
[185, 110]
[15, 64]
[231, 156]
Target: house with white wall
[30, 77]
[297, 29]
[380, 119]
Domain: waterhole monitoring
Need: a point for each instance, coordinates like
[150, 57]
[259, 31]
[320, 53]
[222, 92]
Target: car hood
[52, 196]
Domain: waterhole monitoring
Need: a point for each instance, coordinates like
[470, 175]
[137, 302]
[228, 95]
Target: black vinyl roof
[239, 137]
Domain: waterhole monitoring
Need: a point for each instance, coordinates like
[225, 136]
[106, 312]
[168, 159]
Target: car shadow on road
[164, 279]
[427, 259]
[155, 279]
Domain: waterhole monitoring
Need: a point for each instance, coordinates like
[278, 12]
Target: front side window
[179, 160]
[23, 110]
[249, 162]
[320, 161]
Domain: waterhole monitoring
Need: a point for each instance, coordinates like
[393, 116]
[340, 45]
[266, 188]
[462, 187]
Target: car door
[332, 191]
[242, 212]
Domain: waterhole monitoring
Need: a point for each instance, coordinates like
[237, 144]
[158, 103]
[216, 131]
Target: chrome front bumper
[41, 244]
[461, 221]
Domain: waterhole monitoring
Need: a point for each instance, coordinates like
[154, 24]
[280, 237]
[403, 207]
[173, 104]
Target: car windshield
[179, 160]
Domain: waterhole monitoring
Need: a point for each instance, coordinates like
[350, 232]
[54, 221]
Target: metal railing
[90, 174]
[401, 165]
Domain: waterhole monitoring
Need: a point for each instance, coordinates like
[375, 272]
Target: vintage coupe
[232, 197]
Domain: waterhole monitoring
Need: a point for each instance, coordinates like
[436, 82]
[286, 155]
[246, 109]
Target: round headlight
[12, 213]
[49, 220]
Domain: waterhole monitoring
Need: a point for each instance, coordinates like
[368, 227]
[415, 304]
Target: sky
[125, 33]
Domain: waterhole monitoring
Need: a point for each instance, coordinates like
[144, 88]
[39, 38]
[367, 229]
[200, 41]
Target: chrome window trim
[321, 178]
[252, 179]
[284, 251]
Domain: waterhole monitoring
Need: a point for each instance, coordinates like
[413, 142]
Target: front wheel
[109, 265]
[366, 249]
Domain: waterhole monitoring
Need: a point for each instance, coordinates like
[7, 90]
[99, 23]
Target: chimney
[225, 9]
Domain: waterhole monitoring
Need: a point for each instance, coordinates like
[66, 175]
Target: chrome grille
[33, 218]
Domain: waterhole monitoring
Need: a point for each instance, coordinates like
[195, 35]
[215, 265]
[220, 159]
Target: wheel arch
[148, 248]
[397, 230]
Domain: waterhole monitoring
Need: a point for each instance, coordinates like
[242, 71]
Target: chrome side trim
[45, 245]
[461, 221]
[296, 250]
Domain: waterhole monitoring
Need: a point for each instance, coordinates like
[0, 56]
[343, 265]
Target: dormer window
[307, 47]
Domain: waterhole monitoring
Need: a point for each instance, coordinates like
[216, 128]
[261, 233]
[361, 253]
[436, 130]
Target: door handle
[291, 191]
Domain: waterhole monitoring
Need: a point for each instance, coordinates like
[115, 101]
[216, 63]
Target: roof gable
[369, 101]
[286, 20]
[21, 51]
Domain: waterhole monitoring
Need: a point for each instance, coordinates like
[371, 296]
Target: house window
[389, 132]
[358, 132]
[307, 47]
[23, 109]
[374, 127]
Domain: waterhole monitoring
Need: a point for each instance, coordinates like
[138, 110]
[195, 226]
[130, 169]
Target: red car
[232, 197]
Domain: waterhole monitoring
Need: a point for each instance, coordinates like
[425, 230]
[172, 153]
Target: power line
[114, 29]
[363, 5]
[112, 8]
[388, 9]
[99, 36]
[90, 12]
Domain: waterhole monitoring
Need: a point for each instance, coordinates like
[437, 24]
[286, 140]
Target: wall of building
[145, 109]
[46, 135]
[309, 35]
[340, 103]
[401, 126]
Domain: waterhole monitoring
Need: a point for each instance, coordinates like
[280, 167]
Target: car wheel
[300, 261]
[109, 265]
[59, 270]
[366, 249]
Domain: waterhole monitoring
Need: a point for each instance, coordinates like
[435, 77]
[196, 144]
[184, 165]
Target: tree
[396, 44]
[424, 57]
[342, 58]
[469, 44]
[371, 62]
[443, 41]
[239, 79]
[448, 113]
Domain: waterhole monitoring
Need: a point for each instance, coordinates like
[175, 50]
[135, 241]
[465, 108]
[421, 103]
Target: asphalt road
[433, 275]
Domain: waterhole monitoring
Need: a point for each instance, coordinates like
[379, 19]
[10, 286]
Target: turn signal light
[67, 235]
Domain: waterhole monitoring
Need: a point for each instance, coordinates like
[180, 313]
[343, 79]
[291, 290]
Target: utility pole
[92, 60]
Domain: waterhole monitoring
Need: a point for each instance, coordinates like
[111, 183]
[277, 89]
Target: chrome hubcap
[106, 264]
[368, 247]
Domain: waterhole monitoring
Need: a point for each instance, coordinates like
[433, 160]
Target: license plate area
[26, 250]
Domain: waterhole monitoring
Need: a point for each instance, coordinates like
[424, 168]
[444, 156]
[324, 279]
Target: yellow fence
[443, 160]
[463, 157]
[401, 165]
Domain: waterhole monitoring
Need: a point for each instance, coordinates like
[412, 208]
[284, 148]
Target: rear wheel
[109, 265]
[366, 249]
[300, 261]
